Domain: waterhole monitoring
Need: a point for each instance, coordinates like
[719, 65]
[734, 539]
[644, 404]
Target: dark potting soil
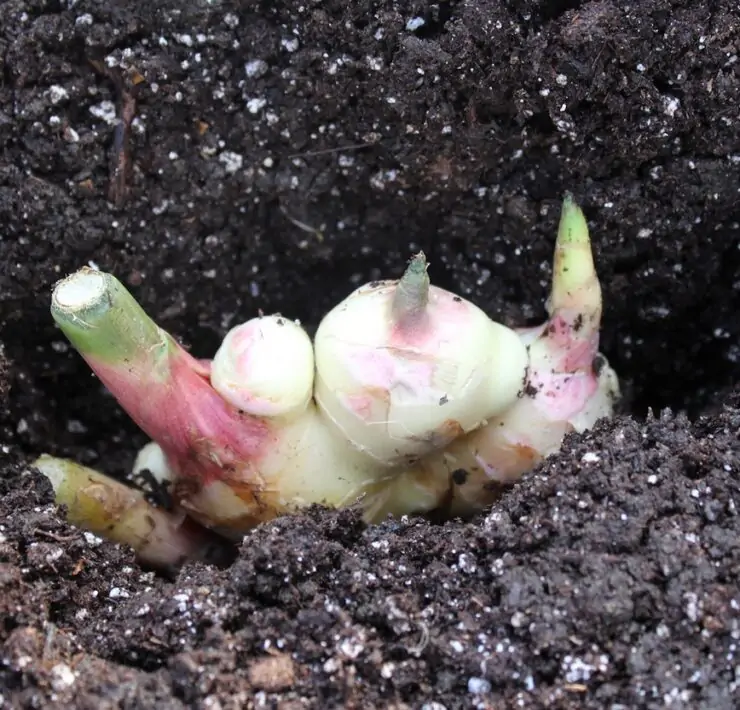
[277, 155]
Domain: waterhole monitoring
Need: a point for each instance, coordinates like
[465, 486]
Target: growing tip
[575, 285]
[412, 291]
[573, 229]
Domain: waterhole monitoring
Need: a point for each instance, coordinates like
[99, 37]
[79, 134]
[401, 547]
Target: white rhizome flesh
[409, 399]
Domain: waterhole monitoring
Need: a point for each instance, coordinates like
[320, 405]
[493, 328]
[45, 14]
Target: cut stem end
[101, 318]
[81, 291]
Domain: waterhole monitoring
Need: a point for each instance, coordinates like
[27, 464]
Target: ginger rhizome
[410, 398]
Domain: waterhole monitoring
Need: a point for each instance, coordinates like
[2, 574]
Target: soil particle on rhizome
[282, 153]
